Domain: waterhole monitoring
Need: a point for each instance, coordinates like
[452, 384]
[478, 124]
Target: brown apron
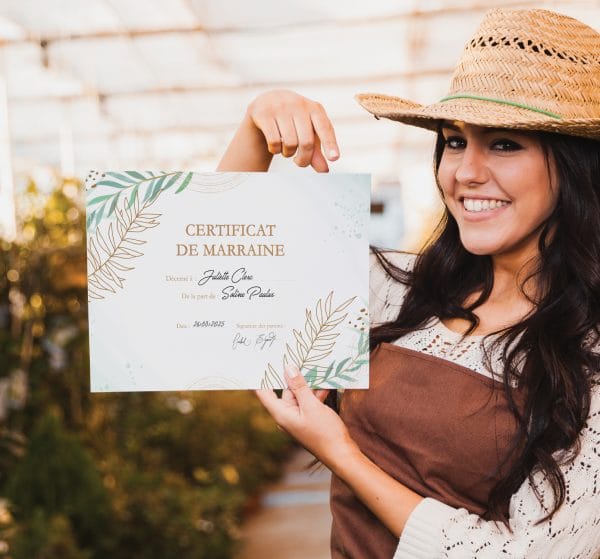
[441, 429]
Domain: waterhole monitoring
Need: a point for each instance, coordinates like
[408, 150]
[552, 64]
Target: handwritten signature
[262, 341]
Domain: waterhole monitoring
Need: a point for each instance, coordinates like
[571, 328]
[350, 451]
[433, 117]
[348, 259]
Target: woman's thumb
[297, 383]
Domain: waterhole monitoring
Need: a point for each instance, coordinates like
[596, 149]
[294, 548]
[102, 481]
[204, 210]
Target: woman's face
[499, 186]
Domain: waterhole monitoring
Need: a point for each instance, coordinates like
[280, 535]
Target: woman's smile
[479, 209]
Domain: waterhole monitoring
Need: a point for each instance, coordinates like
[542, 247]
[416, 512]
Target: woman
[480, 433]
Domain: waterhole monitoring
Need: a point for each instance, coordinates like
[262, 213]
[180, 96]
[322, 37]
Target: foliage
[143, 475]
[46, 537]
[57, 475]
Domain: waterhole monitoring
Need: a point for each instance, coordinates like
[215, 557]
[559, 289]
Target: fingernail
[333, 153]
[292, 371]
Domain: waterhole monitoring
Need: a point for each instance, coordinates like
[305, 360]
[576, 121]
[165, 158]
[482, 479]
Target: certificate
[201, 281]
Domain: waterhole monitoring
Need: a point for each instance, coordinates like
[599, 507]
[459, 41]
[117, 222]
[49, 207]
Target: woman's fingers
[270, 131]
[325, 132]
[289, 136]
[298, 385]
[268, 399]
[315, 426]
[288, 396]
[321, 394]
[295, 125]
[318, 161]
[306, 139]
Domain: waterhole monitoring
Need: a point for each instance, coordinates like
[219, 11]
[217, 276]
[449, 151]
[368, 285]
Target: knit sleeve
[385, 293]
[436, 530]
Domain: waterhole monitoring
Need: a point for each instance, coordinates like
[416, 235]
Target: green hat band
[502, 102]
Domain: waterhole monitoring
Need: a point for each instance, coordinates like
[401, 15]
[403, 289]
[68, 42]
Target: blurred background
[162, 84]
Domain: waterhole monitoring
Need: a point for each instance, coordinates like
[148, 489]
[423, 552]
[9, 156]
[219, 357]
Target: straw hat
[525, 69]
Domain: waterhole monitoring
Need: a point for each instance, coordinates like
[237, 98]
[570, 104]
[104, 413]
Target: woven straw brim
[473, 111]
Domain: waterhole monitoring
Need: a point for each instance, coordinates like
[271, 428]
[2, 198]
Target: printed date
[209, 323]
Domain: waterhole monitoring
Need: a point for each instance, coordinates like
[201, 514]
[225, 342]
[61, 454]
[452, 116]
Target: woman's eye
[455, 142]
[506, 145]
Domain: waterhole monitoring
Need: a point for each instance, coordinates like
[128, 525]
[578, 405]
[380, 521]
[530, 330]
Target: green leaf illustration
[133, 195]
[151, 183]
[185, 183]
[113, 205]
[121, 177]
[172, 181]
[99, 199]
[112, 184]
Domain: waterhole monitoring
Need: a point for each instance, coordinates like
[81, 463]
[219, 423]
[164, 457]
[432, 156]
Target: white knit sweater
[436, 530]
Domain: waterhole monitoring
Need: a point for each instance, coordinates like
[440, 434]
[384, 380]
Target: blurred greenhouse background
[162, 84]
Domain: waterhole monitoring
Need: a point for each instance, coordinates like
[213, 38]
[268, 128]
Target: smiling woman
[478, 436]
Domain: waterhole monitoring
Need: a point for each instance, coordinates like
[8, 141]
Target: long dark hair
[549, 354]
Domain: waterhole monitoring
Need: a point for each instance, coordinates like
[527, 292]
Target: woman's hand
[285, 122]
[293, 124]
[321, 431]
[302, 414]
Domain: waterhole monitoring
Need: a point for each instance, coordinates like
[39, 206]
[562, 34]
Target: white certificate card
[203, 281]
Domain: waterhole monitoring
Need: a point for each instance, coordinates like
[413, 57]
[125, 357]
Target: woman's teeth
[472, 205]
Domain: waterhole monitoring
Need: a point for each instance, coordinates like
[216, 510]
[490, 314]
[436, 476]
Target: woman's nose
[472, 168]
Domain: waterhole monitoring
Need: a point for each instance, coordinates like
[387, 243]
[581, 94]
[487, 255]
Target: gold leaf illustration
[309, 325]
[300, 342]
[318, 344]
[328, 303]
[271, 379]
[108, 252]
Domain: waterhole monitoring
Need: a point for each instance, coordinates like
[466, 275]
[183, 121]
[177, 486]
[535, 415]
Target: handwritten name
[232, 292]
[238, 275]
